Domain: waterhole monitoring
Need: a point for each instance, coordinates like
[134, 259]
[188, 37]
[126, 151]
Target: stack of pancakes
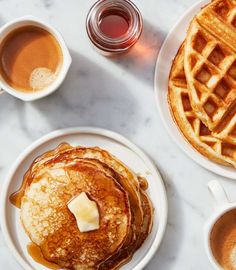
[202, 83]
[125, 210]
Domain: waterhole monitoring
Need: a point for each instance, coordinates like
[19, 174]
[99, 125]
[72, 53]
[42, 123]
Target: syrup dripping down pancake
[49, 223]
[140, 208]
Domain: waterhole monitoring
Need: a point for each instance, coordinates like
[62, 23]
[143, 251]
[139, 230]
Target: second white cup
[222, 206]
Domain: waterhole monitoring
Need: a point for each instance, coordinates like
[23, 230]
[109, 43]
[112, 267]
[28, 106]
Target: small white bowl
[31, 20]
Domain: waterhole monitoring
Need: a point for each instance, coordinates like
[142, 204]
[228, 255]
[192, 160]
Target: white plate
[163, 66]
[126, 151]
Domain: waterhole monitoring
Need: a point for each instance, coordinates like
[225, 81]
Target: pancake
[125, 177]
[126, 253]
[49, 223]
[147, 218]
[128, 180]
[51, 164]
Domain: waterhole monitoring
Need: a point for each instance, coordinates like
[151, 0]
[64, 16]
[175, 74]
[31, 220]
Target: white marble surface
[118, 95]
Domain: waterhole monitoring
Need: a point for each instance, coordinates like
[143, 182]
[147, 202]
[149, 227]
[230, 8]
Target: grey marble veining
[116, 94]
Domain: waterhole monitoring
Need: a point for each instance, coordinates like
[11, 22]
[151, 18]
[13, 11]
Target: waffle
[210, 66]
[189, 123]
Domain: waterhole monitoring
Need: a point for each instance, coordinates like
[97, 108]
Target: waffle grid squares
[193, 128]
[213, 72]
[202, 132]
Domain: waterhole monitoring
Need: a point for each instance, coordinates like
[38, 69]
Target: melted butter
[85, 211]
[36, 253]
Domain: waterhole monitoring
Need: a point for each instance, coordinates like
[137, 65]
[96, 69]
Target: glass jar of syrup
[114, 26]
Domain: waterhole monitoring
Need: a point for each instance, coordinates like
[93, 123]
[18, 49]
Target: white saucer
[163, 65]
[125, 150]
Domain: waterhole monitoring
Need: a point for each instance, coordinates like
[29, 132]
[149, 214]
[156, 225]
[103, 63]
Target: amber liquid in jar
[114, 26]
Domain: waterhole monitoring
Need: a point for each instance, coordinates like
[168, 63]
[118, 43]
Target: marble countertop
[116, 94]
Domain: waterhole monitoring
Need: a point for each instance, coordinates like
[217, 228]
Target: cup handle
[218, 193]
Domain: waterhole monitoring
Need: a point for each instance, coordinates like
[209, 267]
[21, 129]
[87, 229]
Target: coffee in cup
[34, 58]
[220, 230]
[30, 58]
[223, 240]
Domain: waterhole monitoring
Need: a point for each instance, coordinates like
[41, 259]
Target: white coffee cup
[31, 20]
[222, 206]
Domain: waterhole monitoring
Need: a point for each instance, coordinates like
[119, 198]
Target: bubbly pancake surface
[129, 181]
[59, 175]
[51, 225]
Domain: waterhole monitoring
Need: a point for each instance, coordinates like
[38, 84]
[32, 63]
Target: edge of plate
[202, 163]
[90, 130]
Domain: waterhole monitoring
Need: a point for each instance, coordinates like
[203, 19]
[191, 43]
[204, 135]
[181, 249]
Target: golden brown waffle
[194, 130]
[210, 65]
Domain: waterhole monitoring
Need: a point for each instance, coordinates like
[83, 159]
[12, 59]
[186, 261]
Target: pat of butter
[85, 211]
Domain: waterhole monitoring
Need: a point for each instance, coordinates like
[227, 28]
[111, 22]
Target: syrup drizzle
[36, 253]
[16, 197]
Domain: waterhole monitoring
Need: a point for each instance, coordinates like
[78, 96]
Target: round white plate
[164, 61]
[119, 146]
